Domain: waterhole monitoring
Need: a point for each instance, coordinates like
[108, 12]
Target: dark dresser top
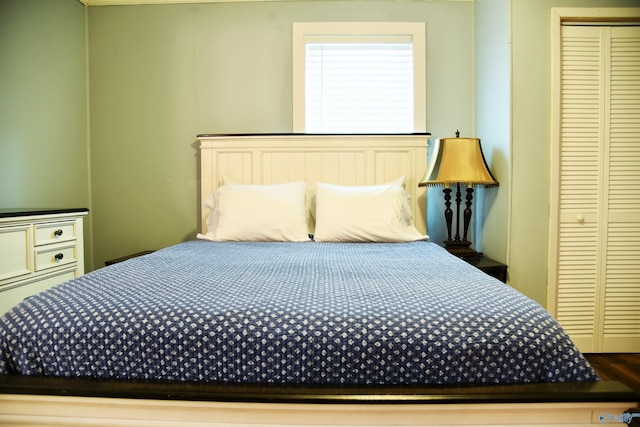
[14, 212]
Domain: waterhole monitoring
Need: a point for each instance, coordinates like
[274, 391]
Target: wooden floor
[623, 367]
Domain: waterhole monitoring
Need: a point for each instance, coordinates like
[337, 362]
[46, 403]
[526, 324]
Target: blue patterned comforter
[311, 312]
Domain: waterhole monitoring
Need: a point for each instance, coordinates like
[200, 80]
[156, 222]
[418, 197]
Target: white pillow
[309, 200]
[258, 213]
[374, 213]
[311, 194]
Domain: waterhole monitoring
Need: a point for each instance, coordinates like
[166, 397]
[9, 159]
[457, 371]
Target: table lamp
[458, 161]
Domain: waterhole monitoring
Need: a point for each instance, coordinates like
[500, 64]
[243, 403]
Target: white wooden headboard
[336, 159]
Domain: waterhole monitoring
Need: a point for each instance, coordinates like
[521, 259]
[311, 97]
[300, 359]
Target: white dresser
[39, 248]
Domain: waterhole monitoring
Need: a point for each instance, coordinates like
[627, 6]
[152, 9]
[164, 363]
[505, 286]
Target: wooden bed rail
[37, 401]
[601, 391]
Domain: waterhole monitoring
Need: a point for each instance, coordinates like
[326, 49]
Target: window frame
[312, 30]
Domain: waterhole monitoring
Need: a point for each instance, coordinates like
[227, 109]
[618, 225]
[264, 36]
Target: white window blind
[359, 87]
[359, 77]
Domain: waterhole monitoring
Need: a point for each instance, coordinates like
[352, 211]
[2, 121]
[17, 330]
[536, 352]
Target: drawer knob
[57, 233]
[59, 256]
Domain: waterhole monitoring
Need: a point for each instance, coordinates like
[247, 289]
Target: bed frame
[357, 160]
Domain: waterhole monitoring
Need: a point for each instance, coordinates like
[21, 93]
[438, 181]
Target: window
[359, 78]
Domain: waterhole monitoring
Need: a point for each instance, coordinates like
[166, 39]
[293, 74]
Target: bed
[256, 323]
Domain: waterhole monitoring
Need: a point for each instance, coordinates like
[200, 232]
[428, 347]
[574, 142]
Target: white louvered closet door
[595, 218]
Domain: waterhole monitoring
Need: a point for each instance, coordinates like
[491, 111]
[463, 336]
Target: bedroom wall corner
[493, 123]
[43, 107]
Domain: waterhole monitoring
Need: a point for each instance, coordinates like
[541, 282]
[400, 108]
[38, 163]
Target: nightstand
[124, 258]
[490, 266]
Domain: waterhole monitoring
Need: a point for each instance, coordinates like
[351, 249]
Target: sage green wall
[161, 74]
[43, 106]
[493, 123]
[531, 134]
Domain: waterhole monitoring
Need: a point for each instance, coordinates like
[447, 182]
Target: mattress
[309, 313]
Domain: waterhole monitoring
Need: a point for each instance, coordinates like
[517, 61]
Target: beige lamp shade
[458, 161]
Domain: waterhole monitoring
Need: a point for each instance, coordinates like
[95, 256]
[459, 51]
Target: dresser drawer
[54, 232]
[28, 287]
[15, 251]
[55, 256]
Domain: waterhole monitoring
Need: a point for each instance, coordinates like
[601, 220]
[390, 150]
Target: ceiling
[132, 2]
